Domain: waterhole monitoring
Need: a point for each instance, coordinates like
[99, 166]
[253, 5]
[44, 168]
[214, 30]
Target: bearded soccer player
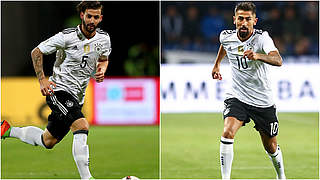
[250, 52]
[82, 53]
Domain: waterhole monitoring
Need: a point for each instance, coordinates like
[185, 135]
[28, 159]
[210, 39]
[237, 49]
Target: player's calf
[274, 152]
[270, 147]
[269, 143]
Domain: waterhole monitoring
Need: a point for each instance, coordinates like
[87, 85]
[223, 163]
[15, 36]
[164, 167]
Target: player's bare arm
[216, 69]
[101, 68]
[37, 59]
[272, 58]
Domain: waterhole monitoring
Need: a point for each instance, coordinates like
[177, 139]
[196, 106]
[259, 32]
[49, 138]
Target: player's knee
[85, 127]
[49, 144]
[228, 133]
[80, 124]
[48, 141]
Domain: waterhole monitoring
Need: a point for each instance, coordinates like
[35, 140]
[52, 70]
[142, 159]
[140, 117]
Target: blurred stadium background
[129, 96]
[192, 102]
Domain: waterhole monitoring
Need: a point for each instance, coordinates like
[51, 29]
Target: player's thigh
[235, 116]
[57, 126]
[265, 120]
[231, 126]
[235, 109]
[79, 124]
[67, 109]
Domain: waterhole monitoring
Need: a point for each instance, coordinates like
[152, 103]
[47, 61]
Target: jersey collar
[253, 33]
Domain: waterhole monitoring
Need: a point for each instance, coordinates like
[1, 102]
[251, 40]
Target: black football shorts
[65, 110]
[265, 119]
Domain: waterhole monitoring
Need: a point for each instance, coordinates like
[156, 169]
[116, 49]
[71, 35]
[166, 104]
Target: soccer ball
[130, 178]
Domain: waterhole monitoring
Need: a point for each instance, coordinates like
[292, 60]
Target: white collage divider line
[160, 90]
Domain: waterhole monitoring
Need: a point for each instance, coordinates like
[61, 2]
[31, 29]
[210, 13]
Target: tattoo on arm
[103, 63]
[273, 58]
[37, 59]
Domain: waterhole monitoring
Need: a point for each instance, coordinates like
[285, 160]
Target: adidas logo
[222, 160]
[75, 47]
[279, 166]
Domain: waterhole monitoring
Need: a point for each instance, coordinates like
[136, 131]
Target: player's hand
[46, 87]
[251, 55]
[216, 73]
[99, 75]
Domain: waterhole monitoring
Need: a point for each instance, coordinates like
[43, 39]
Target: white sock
[80, 153]
[29, 134]
[226, 157]
[277, 162]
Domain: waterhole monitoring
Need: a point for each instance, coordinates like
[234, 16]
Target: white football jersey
[76, 58]
[250, 83]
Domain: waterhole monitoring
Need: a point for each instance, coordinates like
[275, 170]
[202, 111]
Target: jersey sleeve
[222, 36]
[267, 43]
[52, 44]
[106, 46]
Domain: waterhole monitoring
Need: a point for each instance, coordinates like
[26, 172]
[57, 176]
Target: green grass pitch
[190, 147]
[115, 152]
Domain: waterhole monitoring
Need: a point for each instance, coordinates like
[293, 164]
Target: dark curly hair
[81, 7]
[245, 6]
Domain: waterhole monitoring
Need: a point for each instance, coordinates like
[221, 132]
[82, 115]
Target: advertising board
[190, 88]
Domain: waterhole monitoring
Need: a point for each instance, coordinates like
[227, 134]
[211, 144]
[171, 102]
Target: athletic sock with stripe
[277, 162]
[80, 153]
[226, 157]
[29, 134]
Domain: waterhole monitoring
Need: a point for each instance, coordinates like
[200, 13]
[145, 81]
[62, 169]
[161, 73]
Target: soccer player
[250, 52]
[82, 52]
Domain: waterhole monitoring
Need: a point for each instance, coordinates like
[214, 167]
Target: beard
[89, 27]
[243, 34]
